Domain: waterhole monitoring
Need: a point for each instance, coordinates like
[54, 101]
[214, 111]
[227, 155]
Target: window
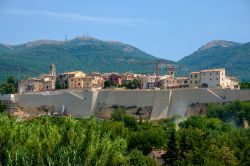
[78, 83]
[195, 82]
[185, 82]
[191, 81]
[217, 73]
[216, 78]
[195, 76]
[210, 79]
[191, 76]
[210, 74]
[204, 74]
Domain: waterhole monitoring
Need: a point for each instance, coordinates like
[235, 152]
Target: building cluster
[211, 78]
[45, 82]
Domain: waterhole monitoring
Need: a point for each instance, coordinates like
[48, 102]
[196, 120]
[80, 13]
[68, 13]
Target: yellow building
[65, 78]
[31, 85]
[83, 82]
[45, 82]
[195, 80]
[76, 82]
[168, 82]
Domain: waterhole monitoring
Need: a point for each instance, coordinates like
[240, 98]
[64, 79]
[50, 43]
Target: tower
[171, 71]
[52, 70]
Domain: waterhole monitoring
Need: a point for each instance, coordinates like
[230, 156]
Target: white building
[212, 78]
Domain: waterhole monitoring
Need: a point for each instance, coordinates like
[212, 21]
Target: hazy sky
[163, 28]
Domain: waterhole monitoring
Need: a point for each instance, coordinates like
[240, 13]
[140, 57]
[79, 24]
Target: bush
[2, 107]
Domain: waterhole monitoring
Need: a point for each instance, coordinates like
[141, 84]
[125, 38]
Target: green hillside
[235, 57]
[89, 54]
[83, 53]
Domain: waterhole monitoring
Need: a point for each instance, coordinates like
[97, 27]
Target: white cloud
[74, 16]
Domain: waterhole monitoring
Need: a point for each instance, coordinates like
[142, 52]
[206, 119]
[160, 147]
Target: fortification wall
[128, 98]
[182, 98]
[75, 103]
[164, 102]
[229, 95]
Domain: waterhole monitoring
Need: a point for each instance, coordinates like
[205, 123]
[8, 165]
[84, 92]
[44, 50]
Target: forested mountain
[82, 53]
[90, 54]
[235, 57]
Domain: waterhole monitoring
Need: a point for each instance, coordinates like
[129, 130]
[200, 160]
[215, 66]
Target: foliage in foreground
[122, 141]
[62, 141]
[234, 112]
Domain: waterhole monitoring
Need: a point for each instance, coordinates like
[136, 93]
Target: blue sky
[163, 28]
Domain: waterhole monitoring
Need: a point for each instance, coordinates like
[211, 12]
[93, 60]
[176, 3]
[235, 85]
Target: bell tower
[52, 70]
[171, 71]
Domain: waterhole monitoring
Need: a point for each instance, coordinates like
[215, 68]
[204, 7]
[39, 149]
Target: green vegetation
[9, 86]
[245, 85]
[235, 112]
[66, 141]
[235, 59]
[123, 141]
[107, 84]
[134, 84]
[2, 107]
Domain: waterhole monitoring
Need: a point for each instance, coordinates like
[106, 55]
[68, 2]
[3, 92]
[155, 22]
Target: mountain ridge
[218, 43]
[234, 57]
[91, 54]
[81, 53]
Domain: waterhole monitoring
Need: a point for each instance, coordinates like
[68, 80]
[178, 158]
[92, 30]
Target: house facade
[64, 78]
[115, 79]
[212, 78]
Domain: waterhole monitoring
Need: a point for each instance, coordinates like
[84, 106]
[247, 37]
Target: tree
[118, 114]
[172, 155]
[58, 84]
[130, 121]
[138, 159]
[135, 84]
[107, 84]
[245, 85]
[2, 107]
[9, 86]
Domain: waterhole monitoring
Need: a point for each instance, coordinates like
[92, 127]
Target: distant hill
[89, 54]
[235, 57]
[82, 53]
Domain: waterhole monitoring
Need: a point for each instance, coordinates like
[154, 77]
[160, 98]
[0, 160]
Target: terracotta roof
[211, 70]
[195, 72]
[77, 77]
[182, 78]
[72, 72]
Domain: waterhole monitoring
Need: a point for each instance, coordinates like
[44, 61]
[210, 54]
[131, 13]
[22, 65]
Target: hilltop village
[210, 78]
